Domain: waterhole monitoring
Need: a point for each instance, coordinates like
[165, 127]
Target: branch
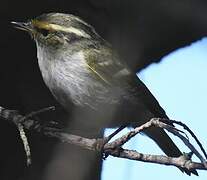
[113, 148]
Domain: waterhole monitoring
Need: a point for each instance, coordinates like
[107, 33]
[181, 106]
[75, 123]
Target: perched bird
[81, 68]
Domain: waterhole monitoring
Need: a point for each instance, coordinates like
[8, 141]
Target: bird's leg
[101, 142]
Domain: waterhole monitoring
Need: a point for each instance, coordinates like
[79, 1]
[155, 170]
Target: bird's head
[56, 29]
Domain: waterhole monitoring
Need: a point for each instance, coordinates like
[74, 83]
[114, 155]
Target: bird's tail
[167, 145]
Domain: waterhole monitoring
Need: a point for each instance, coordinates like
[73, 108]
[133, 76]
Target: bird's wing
[150, 101]
[105, 64]
[108, 68]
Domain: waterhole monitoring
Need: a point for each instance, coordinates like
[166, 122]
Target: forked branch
[113, 148]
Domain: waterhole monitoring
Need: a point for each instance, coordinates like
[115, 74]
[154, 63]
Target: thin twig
[158, 123]
[18, 120]
[25, 143]
[192, 134]
[34, 113]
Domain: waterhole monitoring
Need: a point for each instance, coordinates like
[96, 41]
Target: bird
[81, 68]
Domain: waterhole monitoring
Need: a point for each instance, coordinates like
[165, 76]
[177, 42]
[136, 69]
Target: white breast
[70, 80]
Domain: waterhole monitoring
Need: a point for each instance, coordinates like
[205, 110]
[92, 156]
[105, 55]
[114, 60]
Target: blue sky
[179, 84]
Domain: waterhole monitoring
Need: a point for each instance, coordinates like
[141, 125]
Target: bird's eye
[44, 32]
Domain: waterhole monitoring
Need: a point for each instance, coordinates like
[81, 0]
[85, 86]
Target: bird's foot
[40, 125]
[100, 143]
[187, 156]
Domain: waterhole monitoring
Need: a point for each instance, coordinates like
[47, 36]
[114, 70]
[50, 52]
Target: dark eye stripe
[43, 31]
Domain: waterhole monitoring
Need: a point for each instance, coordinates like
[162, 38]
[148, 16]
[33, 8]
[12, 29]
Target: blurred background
[143, 32]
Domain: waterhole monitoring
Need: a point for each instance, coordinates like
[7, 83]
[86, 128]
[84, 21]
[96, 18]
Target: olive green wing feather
[108, 68]
[106, 65]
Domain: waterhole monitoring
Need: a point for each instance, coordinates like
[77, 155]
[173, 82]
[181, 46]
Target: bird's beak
[23, 26]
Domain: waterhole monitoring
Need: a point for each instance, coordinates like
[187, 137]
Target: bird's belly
[83, 92]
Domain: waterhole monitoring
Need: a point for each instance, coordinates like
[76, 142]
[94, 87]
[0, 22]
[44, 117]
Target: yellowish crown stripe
[56, 27]
[71, 29]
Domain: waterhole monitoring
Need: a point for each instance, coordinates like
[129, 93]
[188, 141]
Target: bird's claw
[100, 143]
[40, 125]
[188, 156]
